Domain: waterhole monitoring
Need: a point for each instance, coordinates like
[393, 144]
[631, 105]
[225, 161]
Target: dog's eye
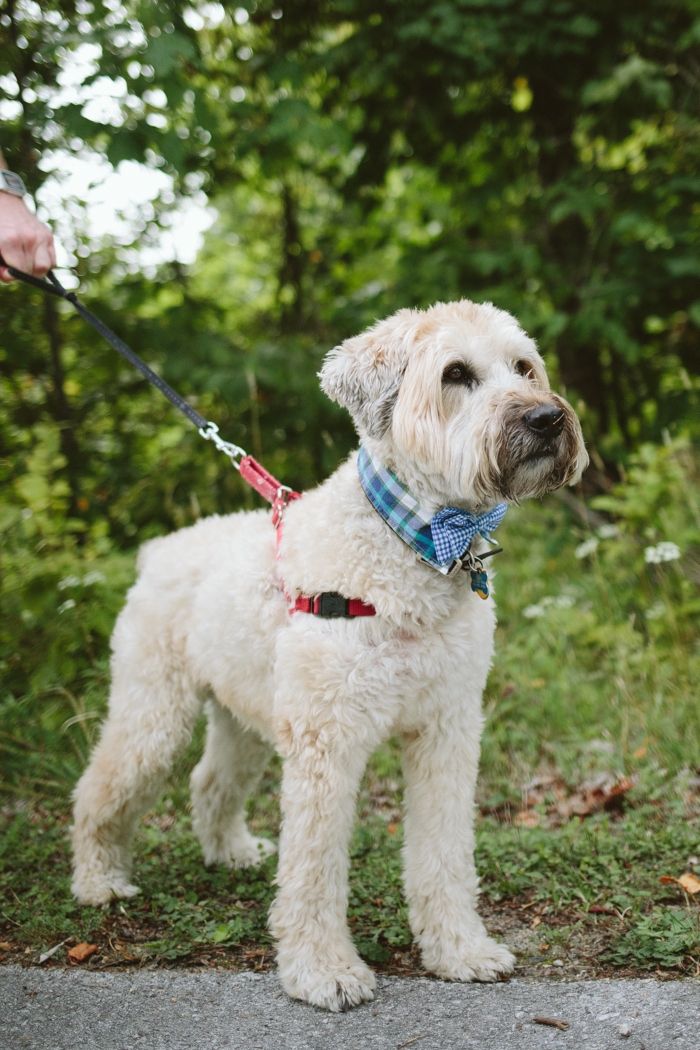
[459, 373]
[523, 368]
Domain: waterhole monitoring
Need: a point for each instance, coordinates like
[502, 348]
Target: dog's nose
[545, 420]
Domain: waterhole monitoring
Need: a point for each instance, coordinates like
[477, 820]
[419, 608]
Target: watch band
[11, 183]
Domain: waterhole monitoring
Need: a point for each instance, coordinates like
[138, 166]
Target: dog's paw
[241, 851]
[101, 889]
[334, 988]
[483, 960]
[251, 852]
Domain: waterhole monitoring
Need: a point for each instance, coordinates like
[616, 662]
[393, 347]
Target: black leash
[206, 428]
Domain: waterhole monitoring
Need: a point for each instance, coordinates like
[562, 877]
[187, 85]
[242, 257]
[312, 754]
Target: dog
[455, 403]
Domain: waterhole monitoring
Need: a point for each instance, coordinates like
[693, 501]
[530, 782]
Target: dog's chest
[445, 669]
[396, 679]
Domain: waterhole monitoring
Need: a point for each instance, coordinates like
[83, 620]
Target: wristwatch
[11, 183]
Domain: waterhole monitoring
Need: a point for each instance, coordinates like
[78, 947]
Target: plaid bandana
[439, 538]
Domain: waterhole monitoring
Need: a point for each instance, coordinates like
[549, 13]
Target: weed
[667, 937]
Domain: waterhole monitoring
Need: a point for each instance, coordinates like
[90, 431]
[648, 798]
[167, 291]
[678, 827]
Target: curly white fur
[206, 621]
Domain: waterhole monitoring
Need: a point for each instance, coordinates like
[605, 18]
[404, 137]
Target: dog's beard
[529, 464]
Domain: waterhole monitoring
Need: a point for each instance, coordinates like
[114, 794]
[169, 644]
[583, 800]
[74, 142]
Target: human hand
[25, 243]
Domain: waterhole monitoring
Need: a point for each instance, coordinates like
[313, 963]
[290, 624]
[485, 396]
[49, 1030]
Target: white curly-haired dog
[454, 401]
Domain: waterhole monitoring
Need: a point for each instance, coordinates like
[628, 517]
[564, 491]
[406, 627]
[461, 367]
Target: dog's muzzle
[537, 446]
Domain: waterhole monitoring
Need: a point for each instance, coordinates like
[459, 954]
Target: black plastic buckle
[332, 605]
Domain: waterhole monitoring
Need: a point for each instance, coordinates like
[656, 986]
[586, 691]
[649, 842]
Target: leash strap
[329, 604]
[54, 287]
[251, 470]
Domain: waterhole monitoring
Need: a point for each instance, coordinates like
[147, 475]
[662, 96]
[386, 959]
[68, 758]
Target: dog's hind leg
[151, 717]
[233, 762]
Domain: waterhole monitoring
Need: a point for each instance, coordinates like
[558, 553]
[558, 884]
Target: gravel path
[178, 1010]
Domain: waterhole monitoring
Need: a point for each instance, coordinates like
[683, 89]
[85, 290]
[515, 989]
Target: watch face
[12, 183]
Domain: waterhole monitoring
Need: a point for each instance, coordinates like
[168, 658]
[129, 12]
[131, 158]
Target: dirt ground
[562, 946]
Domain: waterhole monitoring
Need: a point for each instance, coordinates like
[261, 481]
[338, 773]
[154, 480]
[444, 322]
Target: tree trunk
[292, 269]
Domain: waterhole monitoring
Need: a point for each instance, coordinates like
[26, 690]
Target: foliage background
[364, 155]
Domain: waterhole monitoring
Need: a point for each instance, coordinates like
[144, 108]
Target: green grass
[598, 660]
[188, 914]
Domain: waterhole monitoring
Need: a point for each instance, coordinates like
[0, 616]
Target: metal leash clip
[211, 433]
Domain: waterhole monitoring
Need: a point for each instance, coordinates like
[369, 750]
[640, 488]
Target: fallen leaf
[641, 751]
[545, 947]
[593, 797]
[82, 951]
[598, 909]
[553, 1022]
[690, 883]
[527, 818]
[535, 923]
[667, 878]
[5, 946]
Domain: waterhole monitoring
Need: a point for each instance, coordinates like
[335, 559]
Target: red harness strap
[329, 604]
[268, 487]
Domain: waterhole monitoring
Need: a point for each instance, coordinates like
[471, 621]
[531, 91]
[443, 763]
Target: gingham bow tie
[437, 538]
[453, 530]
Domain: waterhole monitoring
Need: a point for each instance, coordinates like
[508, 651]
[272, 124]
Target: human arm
[25, 243]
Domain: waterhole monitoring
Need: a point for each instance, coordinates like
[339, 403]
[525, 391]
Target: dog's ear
[364, 375]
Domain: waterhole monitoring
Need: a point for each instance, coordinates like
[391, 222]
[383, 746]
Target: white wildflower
[662, 552]
[587, 547]
[562, 601]
[606, 532]
[93, 577]
[68, 604]
[68, 581]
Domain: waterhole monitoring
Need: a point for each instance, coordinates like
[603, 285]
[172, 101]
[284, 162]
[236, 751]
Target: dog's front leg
[323, 767]
[316, 957]
[440, 768]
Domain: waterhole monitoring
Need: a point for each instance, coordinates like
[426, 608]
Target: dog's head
[456, 400]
